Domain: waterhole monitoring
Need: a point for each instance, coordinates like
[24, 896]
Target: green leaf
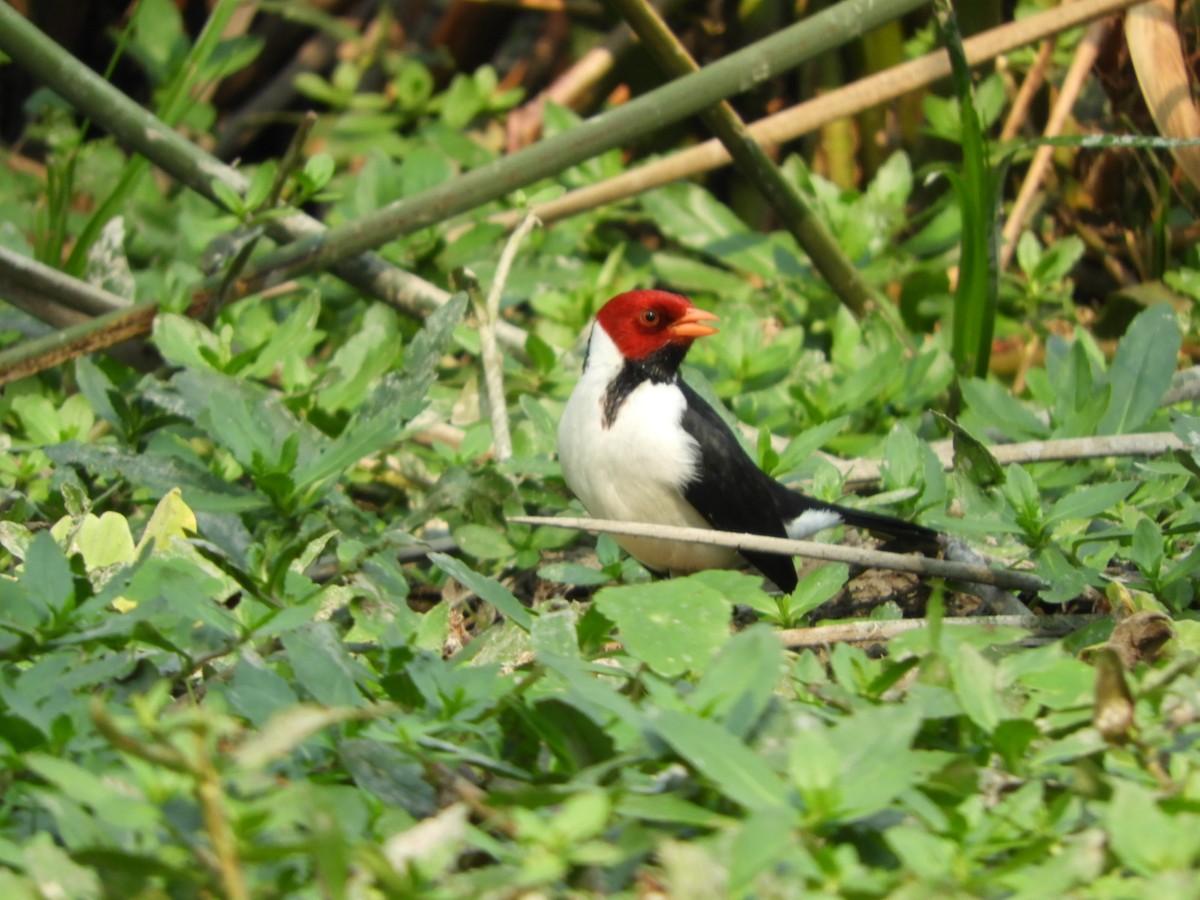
[483, 542]
[977, 686]
[487, 588]
[397, 399]
[257, 691]
[971, 455]
[737, 688]
[573, 573]
[322, 666]
[1144, 837]
[1147, 547]
[160, 474]
[385, 772]
[1089, 502]
[818, 586]
[47, 576]
[1141, 370]
[858, 766]
[733, 768]
[672, 626]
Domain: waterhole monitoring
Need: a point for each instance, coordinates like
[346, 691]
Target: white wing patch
[810, 522]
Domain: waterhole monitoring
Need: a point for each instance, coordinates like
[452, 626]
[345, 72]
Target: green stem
[142, 132]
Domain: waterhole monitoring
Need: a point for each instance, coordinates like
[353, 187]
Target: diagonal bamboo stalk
[670, 103]
[140, 131]
[752, 161]
[812, 114]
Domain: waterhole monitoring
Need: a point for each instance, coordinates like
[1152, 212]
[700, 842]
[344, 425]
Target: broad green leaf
[733, 768]
[1089, 502]
[672, 626]
[1144, 837]
[483, 542]
[1142, 368]
[159, 473]
[104, 540]
[859, 765]
[56, 873]
[385, 772]
[971, 456]
[695, 218]
[978, 687]
[47, 575]
[393, 403]
[321, 665]
[739, 684]
[257, 691]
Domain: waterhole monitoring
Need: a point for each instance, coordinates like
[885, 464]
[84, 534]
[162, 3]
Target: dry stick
[937, 568]
[1081, 66]
[867, 471]
[493, 360]
[865, 630]
[752, 161]
[1034, 79]
[846, 101]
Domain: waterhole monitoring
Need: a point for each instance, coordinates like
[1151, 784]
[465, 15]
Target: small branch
[40, 280]
[858, 472]
[1081, 66]
[211, 796]
[869, 631]
[493, 360]
[31, 357]
[1034, 79]
[935, 568]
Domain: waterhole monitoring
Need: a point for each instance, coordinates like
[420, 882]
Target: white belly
[634, 470]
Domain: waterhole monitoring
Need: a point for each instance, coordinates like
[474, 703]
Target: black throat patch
[660, 367]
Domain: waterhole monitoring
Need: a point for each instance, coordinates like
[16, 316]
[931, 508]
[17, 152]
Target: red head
[641, 322]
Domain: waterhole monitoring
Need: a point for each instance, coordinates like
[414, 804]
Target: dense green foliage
[224, 671]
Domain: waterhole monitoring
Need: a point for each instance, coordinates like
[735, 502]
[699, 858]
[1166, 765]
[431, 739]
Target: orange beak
[692, 324]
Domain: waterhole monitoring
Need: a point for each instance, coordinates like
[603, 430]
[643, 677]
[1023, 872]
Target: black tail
[905, 535]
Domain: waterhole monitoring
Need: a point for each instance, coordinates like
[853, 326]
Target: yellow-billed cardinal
[638, 445]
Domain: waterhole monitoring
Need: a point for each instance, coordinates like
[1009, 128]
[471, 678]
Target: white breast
[634, 470]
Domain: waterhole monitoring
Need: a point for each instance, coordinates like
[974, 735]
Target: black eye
[649, 316]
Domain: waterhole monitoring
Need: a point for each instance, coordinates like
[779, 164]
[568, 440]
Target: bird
[637, 444]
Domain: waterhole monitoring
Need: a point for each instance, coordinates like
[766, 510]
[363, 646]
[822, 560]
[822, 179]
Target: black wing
[730, 491]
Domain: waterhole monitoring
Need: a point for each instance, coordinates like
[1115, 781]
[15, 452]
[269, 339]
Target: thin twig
[1034, 79]
[858, 472]
[493, 360]
[870, 631]
[936, 568]
[1081, 66]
